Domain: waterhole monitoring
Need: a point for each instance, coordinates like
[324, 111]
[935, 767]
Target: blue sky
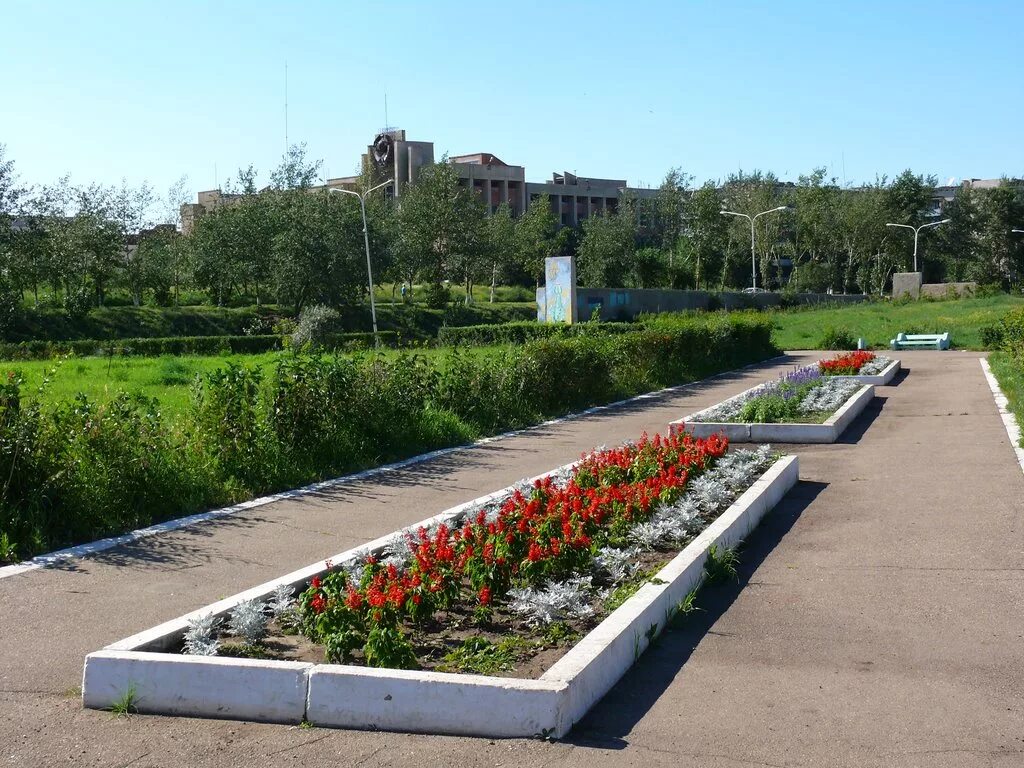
[154, 91]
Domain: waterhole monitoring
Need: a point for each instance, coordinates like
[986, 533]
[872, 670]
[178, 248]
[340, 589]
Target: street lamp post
[1017, 231]
[366, 242]
[753, 252]
[917, 231]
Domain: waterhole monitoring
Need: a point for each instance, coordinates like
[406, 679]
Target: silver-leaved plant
[201, 636]
[248, 621]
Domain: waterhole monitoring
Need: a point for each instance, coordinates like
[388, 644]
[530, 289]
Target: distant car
[754, 290]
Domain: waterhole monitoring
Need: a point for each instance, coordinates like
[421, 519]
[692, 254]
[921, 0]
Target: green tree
[441, 227]
[500, 237]
[1001, 252]
[908, 200]
[295, 171]
[130, 210]
[318, 249]
[608, 246]
[538, 237]
[15, 270]
[671, 209]
[956, 242]
[649, 268]
[158, 265]
[706, 230]
[817, 236]
[867, 242]
[751, 194]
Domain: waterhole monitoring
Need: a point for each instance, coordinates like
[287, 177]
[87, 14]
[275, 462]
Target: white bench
[920, 341]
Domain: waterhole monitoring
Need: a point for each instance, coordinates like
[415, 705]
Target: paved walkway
[878, 620]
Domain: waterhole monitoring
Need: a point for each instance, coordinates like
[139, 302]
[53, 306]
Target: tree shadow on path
[612, 719]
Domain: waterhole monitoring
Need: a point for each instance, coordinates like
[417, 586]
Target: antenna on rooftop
[386, 123]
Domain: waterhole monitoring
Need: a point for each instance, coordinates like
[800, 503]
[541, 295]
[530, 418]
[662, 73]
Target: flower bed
[862, 366]
[504, 586]
[521, 578]
[803, 405]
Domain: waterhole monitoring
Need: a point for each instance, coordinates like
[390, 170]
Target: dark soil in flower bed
[511, 587]
[510, 647]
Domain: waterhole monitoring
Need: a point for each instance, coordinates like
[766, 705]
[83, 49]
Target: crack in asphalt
[303, 744]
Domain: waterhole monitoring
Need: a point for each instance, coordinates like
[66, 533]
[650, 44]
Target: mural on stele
[559, 305]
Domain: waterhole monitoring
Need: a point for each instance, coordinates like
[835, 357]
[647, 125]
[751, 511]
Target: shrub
[837, 338]
[234, 429]
[81, 470]
[522, 331]
[182, 345]
[10, 305]
[438, 296]
[315, 322]
[1008, 333]
[85, 470]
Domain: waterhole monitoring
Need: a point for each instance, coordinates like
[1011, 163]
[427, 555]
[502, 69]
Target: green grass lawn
[880, 321]
[168, 378]
[1010, 375]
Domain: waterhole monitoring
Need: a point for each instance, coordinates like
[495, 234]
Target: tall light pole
[917, 231]
[366, 242]
[1017, 231]
[753, 252]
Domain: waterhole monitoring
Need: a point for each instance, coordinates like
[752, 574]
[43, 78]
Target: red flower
[354, 600]
[485, 595]
[318, 604]
[315, 583]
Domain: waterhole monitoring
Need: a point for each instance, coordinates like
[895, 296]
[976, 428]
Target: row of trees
[285, 243]
[828, 238]
[289, 244]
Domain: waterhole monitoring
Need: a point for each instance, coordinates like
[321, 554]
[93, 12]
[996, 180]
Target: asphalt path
[877, 619]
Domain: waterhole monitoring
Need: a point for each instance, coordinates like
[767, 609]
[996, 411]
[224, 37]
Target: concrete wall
[942, 290]
[906, 284]
[627, 303]
[910, 284]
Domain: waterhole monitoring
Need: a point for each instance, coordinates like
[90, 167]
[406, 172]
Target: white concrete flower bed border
[414, 701]
[828, 432]
[880, 379]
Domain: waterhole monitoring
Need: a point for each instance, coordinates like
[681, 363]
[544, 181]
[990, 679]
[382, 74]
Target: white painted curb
[827, 432]
[880, 379]
[433, 702]
[1013, 429]
[84, 550]
[414, 701]
[172, 684]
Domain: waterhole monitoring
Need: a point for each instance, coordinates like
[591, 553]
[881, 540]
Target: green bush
[837, 338]
[81, 470]
[314, 323]
[412, 322]
[181, 345]
[84, 470]
[1007, 334]
[521, 332]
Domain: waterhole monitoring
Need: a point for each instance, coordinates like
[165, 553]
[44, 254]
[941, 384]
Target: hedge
[1007, 334]
[412, 321]
[80, 470]
[521, 332]
[179, 345]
